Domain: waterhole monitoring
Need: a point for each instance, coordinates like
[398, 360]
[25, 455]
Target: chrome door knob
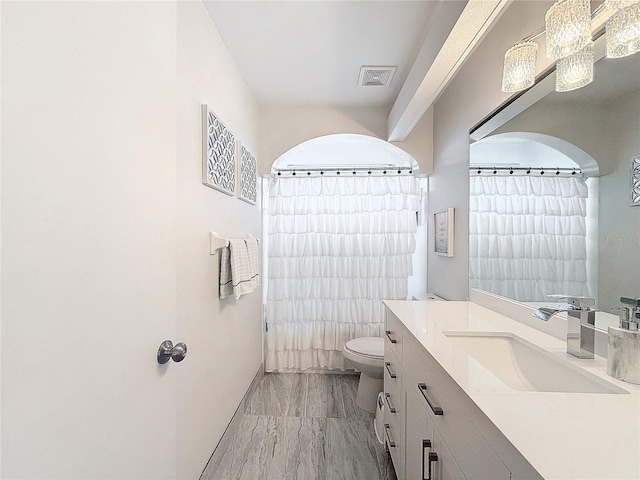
[168, 351]
[178, 352]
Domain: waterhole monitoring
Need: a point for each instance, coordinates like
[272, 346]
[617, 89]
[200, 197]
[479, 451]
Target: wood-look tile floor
[304, 427]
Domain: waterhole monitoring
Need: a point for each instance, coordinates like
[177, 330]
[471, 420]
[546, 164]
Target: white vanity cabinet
[439, 439]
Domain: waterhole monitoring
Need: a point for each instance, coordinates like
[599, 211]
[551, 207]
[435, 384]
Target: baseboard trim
[231, 429]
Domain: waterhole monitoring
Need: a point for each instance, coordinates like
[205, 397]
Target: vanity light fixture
[569, 41]
[575, 71]
[623, 28]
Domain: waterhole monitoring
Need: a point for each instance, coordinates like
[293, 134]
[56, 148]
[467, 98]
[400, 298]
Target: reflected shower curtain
[527, 236]
[337, 247]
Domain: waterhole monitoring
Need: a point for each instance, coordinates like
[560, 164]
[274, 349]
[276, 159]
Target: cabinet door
[426, 455]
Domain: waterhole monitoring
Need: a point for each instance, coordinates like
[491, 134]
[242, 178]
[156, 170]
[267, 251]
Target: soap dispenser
[623, 349]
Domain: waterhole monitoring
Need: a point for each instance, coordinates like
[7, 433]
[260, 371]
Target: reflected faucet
[581, 319]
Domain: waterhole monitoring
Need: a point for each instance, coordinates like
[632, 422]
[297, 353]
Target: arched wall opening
[347, 151]
[354, 238]
[532, 149]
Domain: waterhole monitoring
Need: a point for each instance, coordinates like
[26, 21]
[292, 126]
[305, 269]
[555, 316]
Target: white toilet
[367, 355]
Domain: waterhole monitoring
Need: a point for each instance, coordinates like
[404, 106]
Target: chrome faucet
[581, 320]
[630, 314]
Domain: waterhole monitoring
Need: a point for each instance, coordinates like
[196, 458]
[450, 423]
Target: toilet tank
[426, 296]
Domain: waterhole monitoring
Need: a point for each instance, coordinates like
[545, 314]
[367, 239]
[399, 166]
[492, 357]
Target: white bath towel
[253, 252]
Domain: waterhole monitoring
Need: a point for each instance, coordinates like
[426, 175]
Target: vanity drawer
[393, 334]
[471, 451]
[394, 440]
[393, 373]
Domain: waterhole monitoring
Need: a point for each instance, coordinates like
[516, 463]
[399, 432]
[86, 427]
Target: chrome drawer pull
[387, 397]
[387, 366]
[391, 443]
[388, 333]
[435, 409]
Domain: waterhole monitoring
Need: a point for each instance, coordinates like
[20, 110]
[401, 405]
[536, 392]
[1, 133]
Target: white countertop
[563, 435]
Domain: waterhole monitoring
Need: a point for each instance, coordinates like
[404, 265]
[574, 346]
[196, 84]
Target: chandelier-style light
[519, 72]
[575, 71]
[568, 27]
[623, 28]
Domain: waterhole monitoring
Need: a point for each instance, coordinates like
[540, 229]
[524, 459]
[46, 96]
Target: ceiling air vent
[376, 76]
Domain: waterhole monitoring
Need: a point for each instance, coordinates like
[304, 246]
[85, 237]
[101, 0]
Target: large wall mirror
[551, 208]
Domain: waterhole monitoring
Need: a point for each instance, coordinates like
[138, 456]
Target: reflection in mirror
[550, 195]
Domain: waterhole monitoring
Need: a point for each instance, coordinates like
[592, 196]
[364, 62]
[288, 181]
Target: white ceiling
[310, 52]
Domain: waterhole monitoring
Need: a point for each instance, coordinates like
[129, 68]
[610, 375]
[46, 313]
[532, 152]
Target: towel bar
[216, 242]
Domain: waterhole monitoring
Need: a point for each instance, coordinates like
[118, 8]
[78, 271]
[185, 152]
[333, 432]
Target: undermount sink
[524, 366]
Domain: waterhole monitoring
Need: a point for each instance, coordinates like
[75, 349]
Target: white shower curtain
[527, 236]
[337, 247]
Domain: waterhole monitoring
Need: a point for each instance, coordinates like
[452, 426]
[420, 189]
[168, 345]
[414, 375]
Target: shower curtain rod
[334, 169]
[479, 169]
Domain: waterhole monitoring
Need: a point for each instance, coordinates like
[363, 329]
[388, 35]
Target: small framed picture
[219, 153]
[443, 230]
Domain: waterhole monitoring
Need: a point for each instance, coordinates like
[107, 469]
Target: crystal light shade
[575, 71]
[623, 32]
[619, 4]
[519, 70]
[568, 27]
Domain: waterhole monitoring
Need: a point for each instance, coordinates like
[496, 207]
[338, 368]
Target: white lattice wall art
[219, 154]
[248, 176]
[635, 182]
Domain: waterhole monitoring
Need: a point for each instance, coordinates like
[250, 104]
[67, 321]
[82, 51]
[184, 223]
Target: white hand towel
[240, 271]
[226, 285]
[253, 251]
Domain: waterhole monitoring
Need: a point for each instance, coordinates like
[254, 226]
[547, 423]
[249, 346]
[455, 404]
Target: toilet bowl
[366, 354]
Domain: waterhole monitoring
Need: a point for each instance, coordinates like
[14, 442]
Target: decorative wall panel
[635, 182]
[219, 154]
[248, 176]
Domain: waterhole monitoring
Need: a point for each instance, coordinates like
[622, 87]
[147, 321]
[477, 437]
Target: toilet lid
[367, 346]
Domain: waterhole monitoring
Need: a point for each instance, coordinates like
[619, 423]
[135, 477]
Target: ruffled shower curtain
[527, 236]
[336, 248]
